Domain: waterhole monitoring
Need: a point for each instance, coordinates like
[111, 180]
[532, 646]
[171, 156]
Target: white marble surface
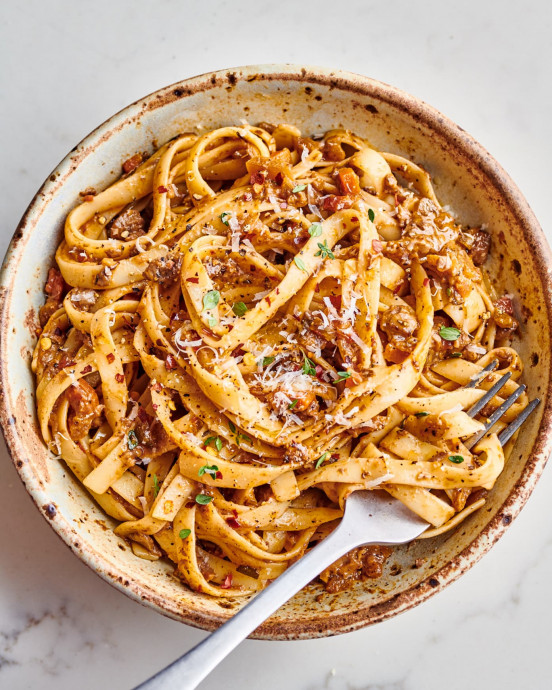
[68, 66]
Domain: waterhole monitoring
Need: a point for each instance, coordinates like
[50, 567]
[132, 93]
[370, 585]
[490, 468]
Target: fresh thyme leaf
[455, 354]
[132, 439]
[344, 374]
[298, 261]
[371, 215]
[308, 368]
[214, 439]
[211, 299]
[156, 486]
[449, 333]
[315, 230]
[203, 499]
[232, 426]
[456, 459]
[209, 469]
[324, 250]
[321, 460]
[299, 188]
[224, 217]
[184, 533]
[422, 414]
[268, 360]
[292, 404]
[239, 308]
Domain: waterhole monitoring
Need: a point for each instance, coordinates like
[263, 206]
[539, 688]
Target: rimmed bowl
[467, 179]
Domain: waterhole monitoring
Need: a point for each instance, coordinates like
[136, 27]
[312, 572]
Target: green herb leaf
[325, 251]
[321, 460]
[209, 469]
[242, 437]
[211, 299]
[224, 217]
[203, 499]
[315, 230]
[455, 354]
[371, 215]
[214, 439]
[292, 404]
[156, 486]
[449, 291]
[232, 426]
[299, 188]
[239, 308]
[422, 414]
[268, 360]
[132, 439]
[184, 533]
[343, 374]
[308, 368]
[298, 261]
[456, 459]
[212, 322]
[449, 333]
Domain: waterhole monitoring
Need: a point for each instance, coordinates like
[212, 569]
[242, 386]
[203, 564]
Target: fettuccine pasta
[248, 326]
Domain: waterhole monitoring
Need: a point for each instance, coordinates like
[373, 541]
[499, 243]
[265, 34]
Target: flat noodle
[250, 325]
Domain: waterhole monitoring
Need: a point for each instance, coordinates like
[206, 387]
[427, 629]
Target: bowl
[467, 179]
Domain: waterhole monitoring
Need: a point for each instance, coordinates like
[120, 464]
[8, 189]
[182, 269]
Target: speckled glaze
[467, 179]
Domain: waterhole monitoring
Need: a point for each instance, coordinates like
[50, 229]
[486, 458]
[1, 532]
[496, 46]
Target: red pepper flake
[218, 475]
[334, 456]
[238, 351]
[354, 219]
[192, 280]
[336, 301]
[267, 298]
[170, 363]
[66, 362]
[132, 163]
[426, 282]
[157, 387]
[227, 584]
[233, 523]
[87, 369]
[162, 190]
[110, 357]
[319, 371]
[154, 406]
[257, 178]
[397, 289]
[317, 288]
[247, 196]
[279, 179]
[119, 378]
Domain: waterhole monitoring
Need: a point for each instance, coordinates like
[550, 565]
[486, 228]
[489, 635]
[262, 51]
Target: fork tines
[507, 433]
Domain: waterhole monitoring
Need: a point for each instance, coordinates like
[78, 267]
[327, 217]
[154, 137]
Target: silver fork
[371, 517]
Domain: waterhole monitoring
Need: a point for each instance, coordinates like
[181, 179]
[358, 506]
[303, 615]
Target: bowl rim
[325, 624]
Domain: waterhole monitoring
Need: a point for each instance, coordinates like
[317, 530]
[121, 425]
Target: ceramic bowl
[467, 179]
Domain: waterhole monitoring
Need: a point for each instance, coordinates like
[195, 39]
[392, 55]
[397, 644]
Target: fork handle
[190, 669]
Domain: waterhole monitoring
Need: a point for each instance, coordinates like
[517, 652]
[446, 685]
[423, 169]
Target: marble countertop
[68, 66]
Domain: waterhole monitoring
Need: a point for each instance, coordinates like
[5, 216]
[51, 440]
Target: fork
[371, 517]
